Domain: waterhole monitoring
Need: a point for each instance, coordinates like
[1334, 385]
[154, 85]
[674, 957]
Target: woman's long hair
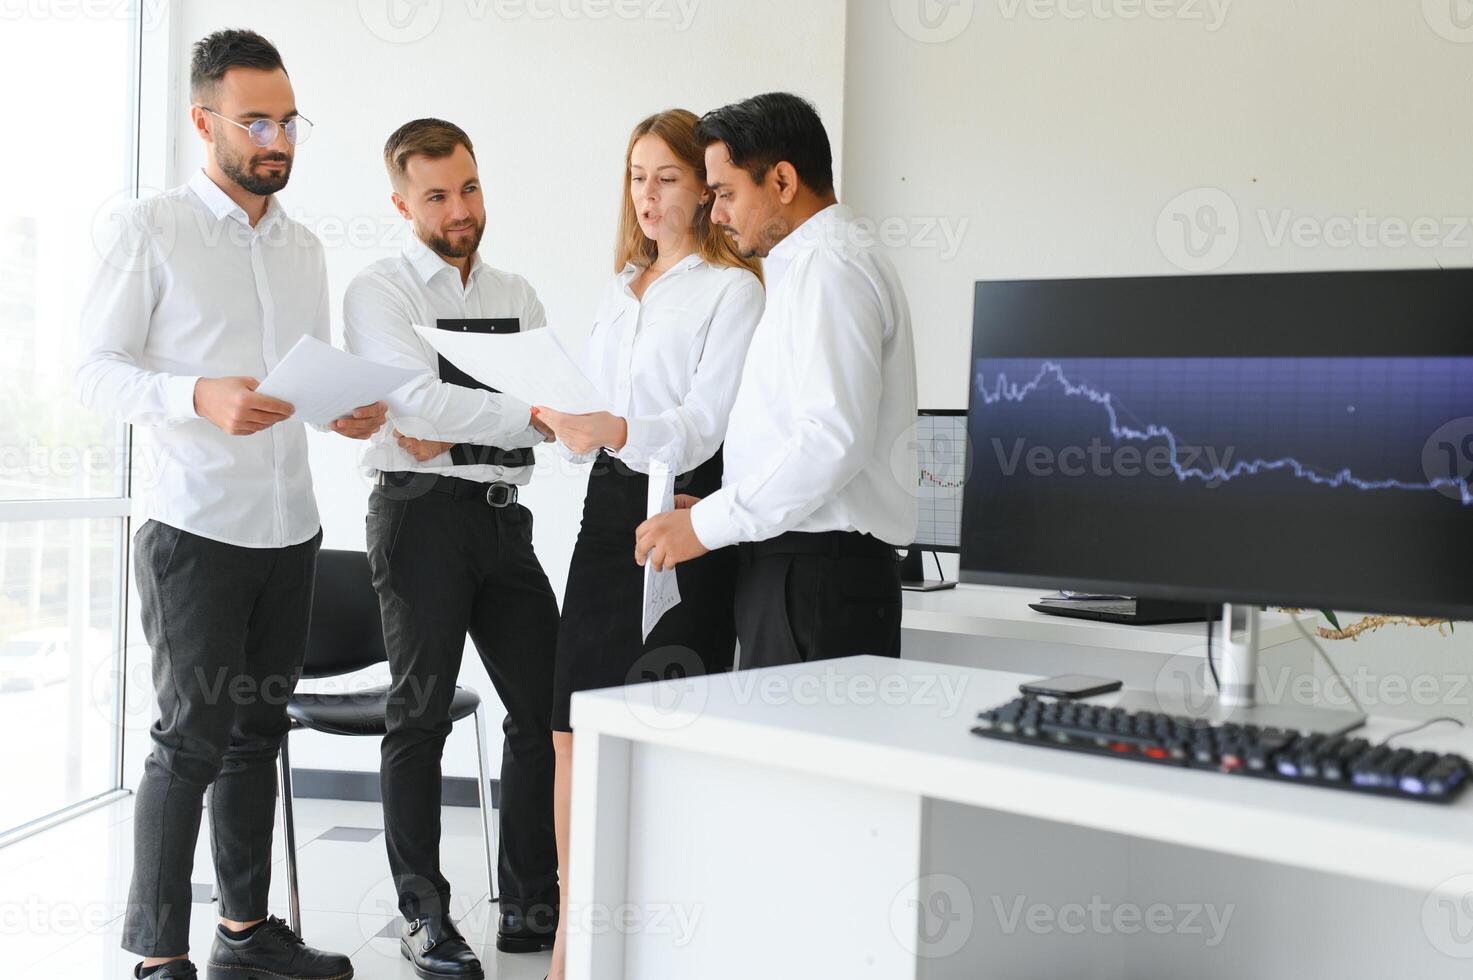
[677, 127]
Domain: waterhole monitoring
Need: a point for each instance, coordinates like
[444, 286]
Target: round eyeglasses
[263, 131]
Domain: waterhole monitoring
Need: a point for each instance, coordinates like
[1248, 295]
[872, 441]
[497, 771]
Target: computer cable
[1212, 664]
[1329, 663]
[1428, 724]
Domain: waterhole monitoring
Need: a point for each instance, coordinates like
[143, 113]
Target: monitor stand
[913, 575]
[1237, 701]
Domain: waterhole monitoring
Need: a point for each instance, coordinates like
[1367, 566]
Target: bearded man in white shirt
[204, 290]
[451, 551]
[818, 448]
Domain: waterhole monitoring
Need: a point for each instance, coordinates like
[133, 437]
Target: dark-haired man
[814, 487]
[204, 290]
[451, 550]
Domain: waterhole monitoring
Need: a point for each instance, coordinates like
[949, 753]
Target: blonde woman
[667, 349]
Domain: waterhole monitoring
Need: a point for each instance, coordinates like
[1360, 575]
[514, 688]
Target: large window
[63, 470]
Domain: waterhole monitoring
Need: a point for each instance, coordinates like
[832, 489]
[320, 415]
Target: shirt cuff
[561, 448]
[179, 393]
[508, 427]
[638, 437]
[711, 520]
[528, 438]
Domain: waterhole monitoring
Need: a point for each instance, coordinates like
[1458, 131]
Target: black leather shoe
[435, 948]
[527, 933]
[273, 952]
[172, 970]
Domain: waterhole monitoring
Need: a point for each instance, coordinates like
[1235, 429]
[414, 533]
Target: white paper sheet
[661, 592]
[531, 366]
[324, 384]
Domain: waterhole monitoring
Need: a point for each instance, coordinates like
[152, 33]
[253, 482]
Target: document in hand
[661, 591]
[324, 384]
[531, 366]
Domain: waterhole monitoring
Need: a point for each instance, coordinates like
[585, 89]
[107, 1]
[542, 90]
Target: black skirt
[599, 642]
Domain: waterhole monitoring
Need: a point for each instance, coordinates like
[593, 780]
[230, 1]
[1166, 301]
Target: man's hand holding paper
[328, 387]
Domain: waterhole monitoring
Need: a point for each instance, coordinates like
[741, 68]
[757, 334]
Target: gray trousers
[228, 630]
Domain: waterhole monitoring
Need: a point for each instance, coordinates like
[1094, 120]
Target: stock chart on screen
[941, 450]
[1203, 461]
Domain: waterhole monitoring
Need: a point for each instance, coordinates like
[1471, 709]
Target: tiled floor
[62, 894]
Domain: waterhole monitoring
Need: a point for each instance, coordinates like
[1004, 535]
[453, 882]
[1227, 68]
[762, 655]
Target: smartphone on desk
[1070, 686]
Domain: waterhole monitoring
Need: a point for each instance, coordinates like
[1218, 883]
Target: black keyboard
[1338, 761]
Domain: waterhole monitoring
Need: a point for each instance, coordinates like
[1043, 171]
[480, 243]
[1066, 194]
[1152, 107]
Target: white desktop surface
[920, 749]
[811, 787]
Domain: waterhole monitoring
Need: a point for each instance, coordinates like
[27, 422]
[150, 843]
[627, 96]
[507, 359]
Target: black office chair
[347, 635]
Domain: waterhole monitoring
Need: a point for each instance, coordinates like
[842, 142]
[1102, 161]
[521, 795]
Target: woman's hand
[585, 433]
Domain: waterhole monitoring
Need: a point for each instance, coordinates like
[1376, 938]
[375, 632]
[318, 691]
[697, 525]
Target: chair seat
[362, 712]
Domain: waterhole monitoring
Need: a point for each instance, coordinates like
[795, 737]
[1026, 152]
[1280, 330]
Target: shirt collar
[824, 226]
[427, 263]
[222, 207]
[691, 261]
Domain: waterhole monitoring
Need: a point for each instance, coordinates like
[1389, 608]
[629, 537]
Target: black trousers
[228, 629]
[445, 566]
[600, 641]
[803, 596]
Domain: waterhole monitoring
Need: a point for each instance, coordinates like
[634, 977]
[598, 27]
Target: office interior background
[978, 139]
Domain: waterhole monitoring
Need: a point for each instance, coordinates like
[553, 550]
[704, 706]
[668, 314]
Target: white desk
[838, 820]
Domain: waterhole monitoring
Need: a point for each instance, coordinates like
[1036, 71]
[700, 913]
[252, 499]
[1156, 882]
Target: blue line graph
[1052, 375]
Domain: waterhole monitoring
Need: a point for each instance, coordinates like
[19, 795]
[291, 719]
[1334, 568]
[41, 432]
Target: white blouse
[670, 364]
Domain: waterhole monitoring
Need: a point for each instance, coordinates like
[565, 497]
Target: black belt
[833, 544]
[498, 494]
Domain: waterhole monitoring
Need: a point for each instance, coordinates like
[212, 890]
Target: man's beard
[238, 169]
[734, 242]
[746, 252]
[765, 235]
[465, 248]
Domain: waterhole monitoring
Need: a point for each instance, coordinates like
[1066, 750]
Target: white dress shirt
[821, 435]
[383, 304]
[188, 289]
[669, 364]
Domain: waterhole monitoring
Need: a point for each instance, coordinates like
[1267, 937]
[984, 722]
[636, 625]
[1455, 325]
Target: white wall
[1064, 136]
[548, 92]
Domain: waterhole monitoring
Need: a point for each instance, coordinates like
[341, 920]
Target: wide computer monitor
[1288, 439]
[1302, 440]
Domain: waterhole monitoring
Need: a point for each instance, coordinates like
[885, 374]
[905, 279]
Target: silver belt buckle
[501, 495]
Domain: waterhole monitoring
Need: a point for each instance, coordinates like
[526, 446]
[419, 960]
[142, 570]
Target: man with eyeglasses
[204, 290]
